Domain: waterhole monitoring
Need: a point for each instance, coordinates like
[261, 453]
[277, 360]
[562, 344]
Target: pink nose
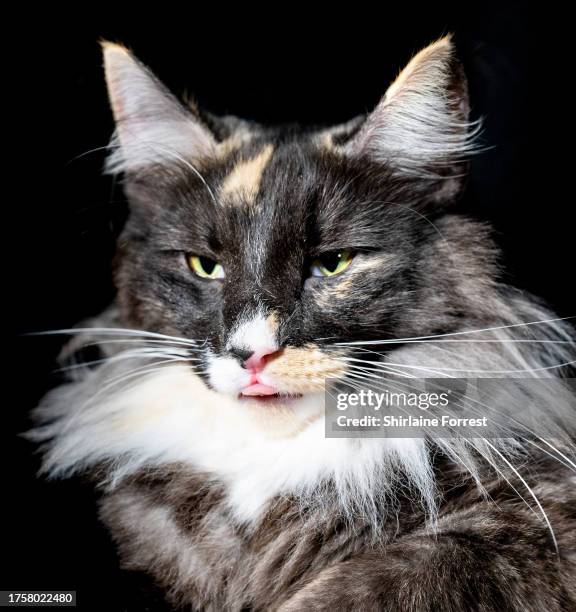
[257, 360]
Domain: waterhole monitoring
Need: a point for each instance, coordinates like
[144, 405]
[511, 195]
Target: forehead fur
[243, 182]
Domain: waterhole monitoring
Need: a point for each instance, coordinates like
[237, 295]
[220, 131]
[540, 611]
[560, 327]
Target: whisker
[151, 341]
[113, 331]
[432, 341]
[154, 146]
[374, 374]
[191, 167]
[459, 333]
[89, 152]
[568, 463]
[534, 496]
[142, 353]
[471, 370]
[399, 365]
[137, 372]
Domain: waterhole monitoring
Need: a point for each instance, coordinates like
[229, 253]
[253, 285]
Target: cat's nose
[253, 360]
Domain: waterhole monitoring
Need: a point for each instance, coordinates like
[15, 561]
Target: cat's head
[272, 246]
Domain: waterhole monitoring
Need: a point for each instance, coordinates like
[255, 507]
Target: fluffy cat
[258, 262]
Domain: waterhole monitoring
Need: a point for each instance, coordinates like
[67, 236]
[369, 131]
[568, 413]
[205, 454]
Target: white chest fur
[257, 453]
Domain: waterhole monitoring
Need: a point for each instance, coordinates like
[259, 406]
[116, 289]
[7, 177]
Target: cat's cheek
[226, 375]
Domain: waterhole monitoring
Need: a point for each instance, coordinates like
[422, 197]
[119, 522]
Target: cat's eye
[331, 263]
[204, 267]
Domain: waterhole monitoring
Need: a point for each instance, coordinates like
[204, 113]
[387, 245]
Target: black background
[276, 65]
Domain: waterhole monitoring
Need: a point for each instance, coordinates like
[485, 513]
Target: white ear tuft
[152, 126]
[421, 124]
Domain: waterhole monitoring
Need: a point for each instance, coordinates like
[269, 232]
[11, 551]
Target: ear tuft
[152, 126]
[421, 126]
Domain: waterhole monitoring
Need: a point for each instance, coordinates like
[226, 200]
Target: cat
[257, 263]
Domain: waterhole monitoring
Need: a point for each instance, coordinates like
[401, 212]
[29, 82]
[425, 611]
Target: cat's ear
[152, 126]
[421, 126]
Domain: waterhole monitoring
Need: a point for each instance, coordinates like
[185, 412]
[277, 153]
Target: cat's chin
[279, 415]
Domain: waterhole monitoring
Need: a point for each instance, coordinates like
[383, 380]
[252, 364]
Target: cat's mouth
[258, 389]
[263, 393]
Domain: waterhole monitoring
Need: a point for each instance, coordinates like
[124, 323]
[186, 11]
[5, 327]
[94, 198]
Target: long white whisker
[113, 331]
[191, 167]
[534, 496]
[569, 464]
[174, 343]
[434, 370]
[383, 368]
[138, 372]
[140, 354]
[427, 340]
[459, 333]
[474, 370]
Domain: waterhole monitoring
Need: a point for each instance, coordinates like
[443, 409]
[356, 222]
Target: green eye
[205, 267]
[332, 263]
